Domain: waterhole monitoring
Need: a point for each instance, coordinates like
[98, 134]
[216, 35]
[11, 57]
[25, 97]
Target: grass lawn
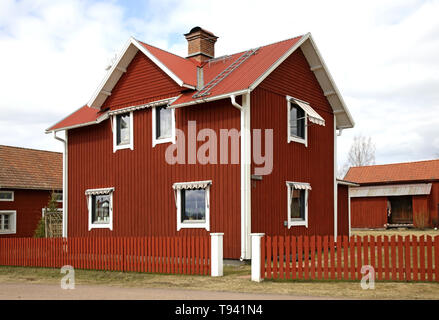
[236, 279]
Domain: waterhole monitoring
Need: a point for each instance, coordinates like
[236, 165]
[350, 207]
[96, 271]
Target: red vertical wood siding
[143, 80]
[434, 204]
[420, 207]
[29, 205]
[368, 212]
[342, 210]
[143, 199]
[293, 161]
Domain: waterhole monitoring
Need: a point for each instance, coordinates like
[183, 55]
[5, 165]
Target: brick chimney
[201, 44]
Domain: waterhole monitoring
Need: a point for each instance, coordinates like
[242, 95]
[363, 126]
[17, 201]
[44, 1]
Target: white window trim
[11, 192]
[293, 222]
[193, 225]
[114, 127]
[59, 201]
[291, 137]
[89, 194]
[156, 140]
[13, 221]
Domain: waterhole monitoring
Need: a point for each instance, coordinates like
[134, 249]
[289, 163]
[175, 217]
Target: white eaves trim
[103, 117]
[214, 98]
[143, 106]
[116, 67]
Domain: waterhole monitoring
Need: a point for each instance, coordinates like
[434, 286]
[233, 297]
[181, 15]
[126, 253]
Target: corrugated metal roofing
[397, 172]
[82, 116]
[391, 190]
[22, 168]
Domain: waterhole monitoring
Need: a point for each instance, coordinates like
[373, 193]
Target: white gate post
[256, 256]
[216, 254]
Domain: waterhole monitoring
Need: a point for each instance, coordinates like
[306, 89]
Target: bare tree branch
[361, 153]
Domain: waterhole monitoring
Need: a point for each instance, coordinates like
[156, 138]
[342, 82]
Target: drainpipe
[64, 179]
[245, 174]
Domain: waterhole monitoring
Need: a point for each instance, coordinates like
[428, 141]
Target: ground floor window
[7, 222]
[298, 194]
[100, 208]
[192, 202]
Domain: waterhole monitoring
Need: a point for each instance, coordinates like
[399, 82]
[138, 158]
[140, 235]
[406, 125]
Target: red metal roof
[397, 172]
[22, 168]
[239, 79]
[81, 116]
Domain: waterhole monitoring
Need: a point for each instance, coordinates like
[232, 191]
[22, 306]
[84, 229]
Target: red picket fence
[172, 255]
[308, 258]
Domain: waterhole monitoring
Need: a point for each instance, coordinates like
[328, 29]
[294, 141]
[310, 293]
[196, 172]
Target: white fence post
[216, 262]
[256, 256]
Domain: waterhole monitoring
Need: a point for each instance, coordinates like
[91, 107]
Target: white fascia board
[214, 98]
[105, 116]
[279, 61]
[331, 80]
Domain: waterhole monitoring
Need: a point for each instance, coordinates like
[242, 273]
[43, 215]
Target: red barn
[27, 178]
[236, 144]
[400, 194]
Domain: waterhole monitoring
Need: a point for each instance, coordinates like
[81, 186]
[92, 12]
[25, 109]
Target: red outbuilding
[395, 195]
[236, 144]
[27, 179]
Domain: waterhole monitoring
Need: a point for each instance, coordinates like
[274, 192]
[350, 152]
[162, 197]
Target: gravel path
[28, 291]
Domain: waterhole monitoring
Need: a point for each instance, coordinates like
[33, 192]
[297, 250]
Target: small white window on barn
[163, 125]
[298, 194]
[8, 221]
[6, 195]
[298, 115]
[192, 202]
[100, 208]
[58, 196]
[123, 131]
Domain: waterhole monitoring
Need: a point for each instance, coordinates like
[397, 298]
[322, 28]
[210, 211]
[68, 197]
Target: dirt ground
[44, 283]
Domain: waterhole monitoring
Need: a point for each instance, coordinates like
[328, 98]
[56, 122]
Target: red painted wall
[420, 207]
[368, 212]
[434, 204]
[144, 199]
[29, 205]
[342, 210]
[293, 161]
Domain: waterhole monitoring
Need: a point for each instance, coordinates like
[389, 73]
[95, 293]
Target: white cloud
[382, 54]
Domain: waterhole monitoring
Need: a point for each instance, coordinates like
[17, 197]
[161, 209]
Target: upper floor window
[298, 193]
[123, 131]
[6, 195]
[299, 113]
[7, 222]
[163, 125]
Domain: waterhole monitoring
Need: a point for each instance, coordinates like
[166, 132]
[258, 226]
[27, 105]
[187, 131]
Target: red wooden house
[146, 155]
[399, 194]
[27, 178]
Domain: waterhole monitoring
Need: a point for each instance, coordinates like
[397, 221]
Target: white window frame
[155, 139]
[193, 224]
[89, 194]
[12, 220]
[293, 138]
[123, 146]
[59, 193]
[10, 192]
[292, 222]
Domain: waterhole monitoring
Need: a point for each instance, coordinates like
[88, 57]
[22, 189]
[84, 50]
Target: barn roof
[22, 168]
[397, 172]
[222, 77]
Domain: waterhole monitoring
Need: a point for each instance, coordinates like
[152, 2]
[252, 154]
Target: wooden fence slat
[263, 258]
[386, 258]
[436, 258]
[408, 267]
[293, 257]
[300, 257]
[287, 257]
[339, 261]
[352, 256]
[319, 257]
[325, 257]
[306, 257]
[372, 253]
[281, 256]
[345, 258]
[422, 257]
[332, 252]
[359, 257]
[275, 258]
[313, 257]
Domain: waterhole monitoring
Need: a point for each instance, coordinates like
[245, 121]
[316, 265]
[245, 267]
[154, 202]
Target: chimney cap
[197, 29]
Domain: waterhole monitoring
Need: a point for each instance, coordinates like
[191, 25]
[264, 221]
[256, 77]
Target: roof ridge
[26, 148]
[397, 163]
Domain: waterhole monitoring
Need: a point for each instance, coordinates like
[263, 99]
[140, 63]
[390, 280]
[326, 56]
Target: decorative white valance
[299, 185]
[191, 185]
[90, 192]
[313, 116]
[143, 106]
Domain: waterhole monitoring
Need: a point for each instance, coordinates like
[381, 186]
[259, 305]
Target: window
[6, 195]
[58, 196]
[297, 123]
[192, 201]
[7, 222]
[100, 208]
[123, 131]
[163, 125]
[298, 203]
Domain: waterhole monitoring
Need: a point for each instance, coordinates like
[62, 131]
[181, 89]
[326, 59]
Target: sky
[383, 56]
